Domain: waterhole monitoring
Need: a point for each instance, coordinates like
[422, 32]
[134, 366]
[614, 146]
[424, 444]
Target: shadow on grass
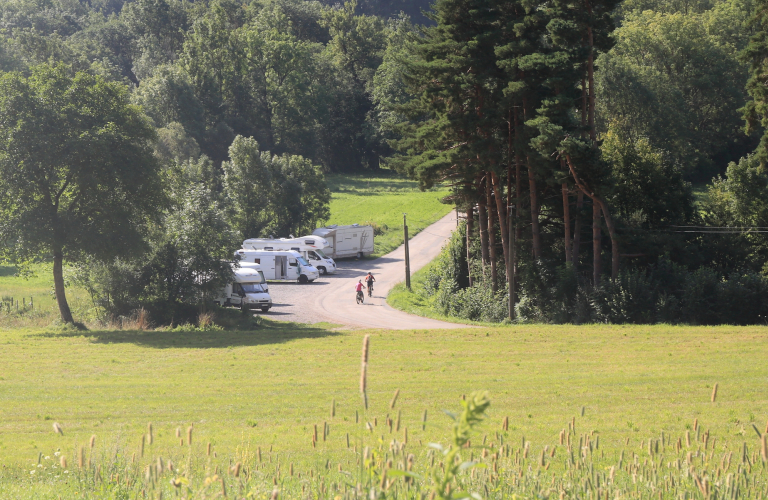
[269, 332]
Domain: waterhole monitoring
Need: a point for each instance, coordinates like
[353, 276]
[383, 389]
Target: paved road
[332, 297]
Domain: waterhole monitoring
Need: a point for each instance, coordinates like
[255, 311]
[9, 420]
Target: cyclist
[369, 279]
[359, 290]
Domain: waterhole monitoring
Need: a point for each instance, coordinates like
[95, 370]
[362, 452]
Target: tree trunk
[491, 232]
[518, 186]
[584, 107]
[470, 225]
[501, 210]
[58, 286]
[512, 231]
[596, 243]
[535, 227]
[567, 223]
[577, 228]
[612, 234]
[591, 80]
[597, 200]
[483, 219]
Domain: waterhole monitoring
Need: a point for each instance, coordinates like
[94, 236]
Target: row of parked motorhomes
[302, 259]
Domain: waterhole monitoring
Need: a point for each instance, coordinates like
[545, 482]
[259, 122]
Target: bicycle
[370, 290]
[360, 297]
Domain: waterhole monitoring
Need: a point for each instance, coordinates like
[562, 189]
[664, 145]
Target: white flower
[66, 472]
[39, 465]
[47, 458]
[57, 454]
[31, 472]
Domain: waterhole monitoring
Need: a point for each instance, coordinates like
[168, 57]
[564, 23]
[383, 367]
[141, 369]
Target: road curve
[339, 305]
[332, 298]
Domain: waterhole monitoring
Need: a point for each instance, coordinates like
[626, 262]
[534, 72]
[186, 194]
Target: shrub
[629, 299]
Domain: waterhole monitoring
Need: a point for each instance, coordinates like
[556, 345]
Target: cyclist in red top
[359, 290]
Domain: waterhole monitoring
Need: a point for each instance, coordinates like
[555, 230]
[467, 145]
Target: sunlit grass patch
[382, 200]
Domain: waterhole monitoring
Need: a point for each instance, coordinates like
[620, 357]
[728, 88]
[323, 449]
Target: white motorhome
[280, 265]
[248, 290]
[347, 241]
[310, 247]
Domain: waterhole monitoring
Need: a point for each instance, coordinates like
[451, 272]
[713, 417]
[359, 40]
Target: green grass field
[39, 288]
[382, 199]
[269, 387]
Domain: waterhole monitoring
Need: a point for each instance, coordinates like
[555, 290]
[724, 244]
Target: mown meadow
[275, 409]
[381, 200]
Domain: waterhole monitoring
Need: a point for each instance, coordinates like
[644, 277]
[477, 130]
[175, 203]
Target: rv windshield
[252, 287]
[321, 254]
[302, 261]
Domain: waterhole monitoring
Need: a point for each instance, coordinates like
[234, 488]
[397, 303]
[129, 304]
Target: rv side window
[257, 261]
[269, 249]
[309, 242]
[292, 262]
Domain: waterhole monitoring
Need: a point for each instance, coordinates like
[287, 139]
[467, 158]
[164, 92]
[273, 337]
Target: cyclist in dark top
[369, 279]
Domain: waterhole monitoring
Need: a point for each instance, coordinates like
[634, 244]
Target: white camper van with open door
[248, 290]
[347, 241]
[280, 265]
[310, 247]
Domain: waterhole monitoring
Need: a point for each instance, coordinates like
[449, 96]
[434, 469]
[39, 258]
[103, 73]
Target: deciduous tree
[77, 173]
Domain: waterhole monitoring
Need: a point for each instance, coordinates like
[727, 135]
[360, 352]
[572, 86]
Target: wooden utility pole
[407, 257]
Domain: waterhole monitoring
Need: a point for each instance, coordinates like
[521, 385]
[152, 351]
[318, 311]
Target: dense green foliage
[543, 117]
[77, 174]
[549, 117]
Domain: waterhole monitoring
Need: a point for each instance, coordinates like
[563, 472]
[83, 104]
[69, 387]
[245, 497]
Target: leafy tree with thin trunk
[77, 173]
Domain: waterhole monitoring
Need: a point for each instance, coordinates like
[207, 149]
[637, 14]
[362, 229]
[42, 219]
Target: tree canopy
[77, 173]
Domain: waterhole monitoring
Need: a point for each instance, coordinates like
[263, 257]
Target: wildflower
[47, 458]
[31, 472]
[66, 472]
[39, 465]
[57, 454]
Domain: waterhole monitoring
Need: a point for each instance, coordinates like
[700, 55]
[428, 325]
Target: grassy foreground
[271, 388]
[382, 200]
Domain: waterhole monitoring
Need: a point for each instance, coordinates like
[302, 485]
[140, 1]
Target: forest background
[250, 103]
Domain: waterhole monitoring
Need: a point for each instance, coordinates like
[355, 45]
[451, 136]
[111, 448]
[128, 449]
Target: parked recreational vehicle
[280, 265]
[347, 241]
[310, 247]
[248, 290]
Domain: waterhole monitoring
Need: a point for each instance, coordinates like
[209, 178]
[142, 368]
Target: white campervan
[347, 241]
[248, 290]
[310, 247]
[280, 265]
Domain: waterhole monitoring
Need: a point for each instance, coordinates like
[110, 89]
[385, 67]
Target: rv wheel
[264, 309]
[302, 279]
[322, 270]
